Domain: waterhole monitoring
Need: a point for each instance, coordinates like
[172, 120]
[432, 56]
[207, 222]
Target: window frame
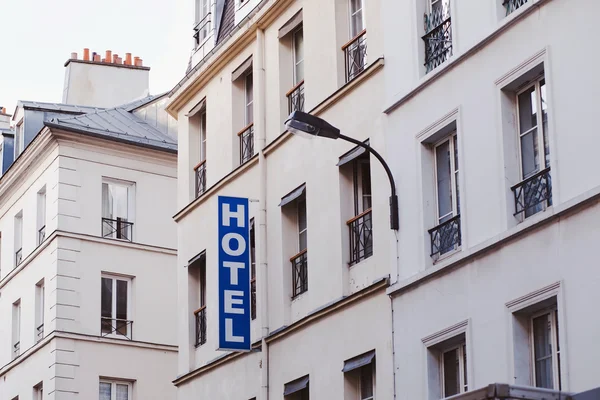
[295, 60]
[20, 137]
[202, 126]
[371, 367]
[462, 354]
[38, 391]
[41, 213]
[113, 386]
[39, 308]
[248, 102]
[300, 232]
[452, 140]
[16, 328]
[18, 237]
[131, 189]
[354, 31]
[554, 337]
[129, 281]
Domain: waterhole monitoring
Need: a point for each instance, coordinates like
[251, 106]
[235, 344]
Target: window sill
[299, 297]
[360, 262]
[446, 256]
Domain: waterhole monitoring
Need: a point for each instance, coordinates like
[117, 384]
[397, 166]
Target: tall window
[198, 123]
[252, 269]
[546, 349]
[41, 215]
[16, 328]
[38, 391]
[454, 370]
[115, 300]
[361, 224]
[203, 26]
[438, 33]
[359, 375]
[117, 210]
[197, 272]
[40, 294]
[298, 54]
[300, 260]
[18, 238]
[302, 225]
[249, 93]
[115, 390]
[357, 24]
[203, 135]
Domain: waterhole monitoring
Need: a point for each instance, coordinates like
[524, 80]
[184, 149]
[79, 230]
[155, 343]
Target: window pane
[529, 154]
[249, 99]
[106, 300]
[542, 346]
[464, 355]
[299, 55]
[366, 382]
[365, 172]
[545, 122]
[451, 373]
[302, 241]
[105, 391]
[357, 23]
[527, 110]
[121, 299]
[444, 181]
[122, 392]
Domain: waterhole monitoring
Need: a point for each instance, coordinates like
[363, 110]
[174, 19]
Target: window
[438, 34]
[117, 210]
[357, 24]
[299, 262]
[203, 23]
[359, 376]
[19, 138]
[295, 237]
[249, 93]
[454, 366]
[115, 303]
[297, 390]
[298, 55]
[252, 269]
[203, 135]
[41, 216]
[447, 367]
[512, 5]
[355, 51]
[535, 192]
[40, 293]
[18, 238]
[115, 390]
[198, 134]
[38, 391]
[446, 236]
[16, 329]
[197, 274]
[546, 349]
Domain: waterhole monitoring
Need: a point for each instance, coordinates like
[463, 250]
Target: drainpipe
[261, 142]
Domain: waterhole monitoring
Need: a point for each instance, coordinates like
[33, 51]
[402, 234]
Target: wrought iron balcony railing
[16, 349]
[361, 237]
[533, 194]
[18, 257]
[41, 234]
[438, 37]
[299, 273]
[246, 136]
[200, 315]
[202, 29]
[200, 178]
[355, 55]
[296, 98]
[39, 332]
[118, 228]
[513, 5]
[445, 237]
[117, 327]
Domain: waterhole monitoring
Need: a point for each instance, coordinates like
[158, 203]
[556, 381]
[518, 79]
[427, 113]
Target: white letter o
[241, 244]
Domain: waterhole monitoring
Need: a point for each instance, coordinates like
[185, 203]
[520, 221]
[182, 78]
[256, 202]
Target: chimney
[115, 57]
[73, 56]
[127, 58]
[108, 56]
[3, 110]
[86, 54]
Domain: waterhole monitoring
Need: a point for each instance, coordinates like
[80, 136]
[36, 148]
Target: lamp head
[308, 126]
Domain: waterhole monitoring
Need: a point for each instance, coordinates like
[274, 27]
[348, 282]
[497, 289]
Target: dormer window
[202, 25]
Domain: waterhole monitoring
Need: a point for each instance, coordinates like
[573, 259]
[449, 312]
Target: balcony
[445, 237]
[534, 194]
[299, 273]
[118, 228]
[117, 327]
[296, 98]
[41, 234]
[513, 5]
[355, 55]
[200, 178]
[361, 237]
[18, 257]
[202, 29]
[438, 37]
[200, 315]
[246, 136]
[16, 349]
[39, 332]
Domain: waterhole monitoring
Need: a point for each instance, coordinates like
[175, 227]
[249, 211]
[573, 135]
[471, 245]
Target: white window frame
[552, 311]
[453, 176]
[20, 137]
[202, 21]
[41, 212]
[16, 328]
[305, 230]
[203, 135]
[539, 125]
[295, 59]
[462, 352]
[130, 202]
[40, 293]
[116, 278]
[248, 102]
[18, 228]
[372, 369]
[353, 30]
[113, 388]
[38, 391]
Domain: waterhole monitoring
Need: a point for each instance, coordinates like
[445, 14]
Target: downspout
[261, 143]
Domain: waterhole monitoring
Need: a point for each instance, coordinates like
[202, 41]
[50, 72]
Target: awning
[197, 257]
[295, 386]
[241, 70]
[359, 361]
[197, 108]
[292, 24]
[352, 154]
[293, 196]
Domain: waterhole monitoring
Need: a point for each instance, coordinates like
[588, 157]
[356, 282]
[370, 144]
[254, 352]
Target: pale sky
[38, 36]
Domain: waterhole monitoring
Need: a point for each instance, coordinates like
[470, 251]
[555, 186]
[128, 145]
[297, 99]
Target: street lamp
[308, 126]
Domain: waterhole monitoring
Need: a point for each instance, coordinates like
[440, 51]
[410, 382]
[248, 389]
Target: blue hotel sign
[234, 274]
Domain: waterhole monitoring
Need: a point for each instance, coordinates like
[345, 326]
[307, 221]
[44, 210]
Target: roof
[141, 102]
[59, 107]
[116, 124]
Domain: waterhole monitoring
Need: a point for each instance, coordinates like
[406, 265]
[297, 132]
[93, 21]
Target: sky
[38, 36]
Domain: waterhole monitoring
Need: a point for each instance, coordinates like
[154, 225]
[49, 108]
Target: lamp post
[308, 126]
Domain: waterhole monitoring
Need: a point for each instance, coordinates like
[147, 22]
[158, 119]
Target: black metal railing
[531, 194]
[202, 29]
[118, 228]
[200, 316]
[117, 327]
[16, 349]
[253, 299]
[42, 234]
[355, 55]
[18, 257]
[438, 37]
[512, 5]
[445, 237]
[361, 237]
[296, 98]
[299, 273]
[246, 136]
[40, 332]
[200, 178]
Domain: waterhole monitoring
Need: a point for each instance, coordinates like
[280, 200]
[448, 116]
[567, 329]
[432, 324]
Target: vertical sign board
[234, 274]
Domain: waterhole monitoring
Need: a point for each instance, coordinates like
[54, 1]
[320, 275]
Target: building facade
[470, 103]
[88, 250]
